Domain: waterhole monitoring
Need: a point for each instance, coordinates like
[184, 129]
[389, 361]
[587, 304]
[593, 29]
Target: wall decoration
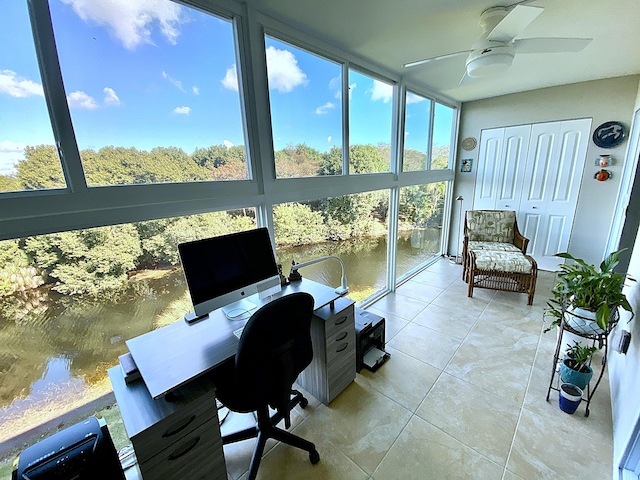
[466, 165]
[602, 175]
[609, 134]
[604, 161]
[469, 143]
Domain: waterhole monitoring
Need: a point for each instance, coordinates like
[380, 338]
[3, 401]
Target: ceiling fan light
[489, 64]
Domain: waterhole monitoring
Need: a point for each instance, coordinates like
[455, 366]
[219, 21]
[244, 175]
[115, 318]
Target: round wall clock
[609, 134]
[469, 143]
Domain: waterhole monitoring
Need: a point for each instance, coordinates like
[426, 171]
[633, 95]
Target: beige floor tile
[569, 455]
[400, 306]
[511, 476]
[425, 344]
[455, 323]
[452, 299]
[525, 318]
[419, 291]
[423, 451]
[360, 422]
[476, 418]
[433, 278]
[392, 323]
[285, 462]
[402, 378]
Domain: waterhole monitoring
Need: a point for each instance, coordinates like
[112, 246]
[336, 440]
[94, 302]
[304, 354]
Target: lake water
[51, 344]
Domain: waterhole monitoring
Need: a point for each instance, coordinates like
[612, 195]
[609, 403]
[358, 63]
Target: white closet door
[555, 163]
[501, 167]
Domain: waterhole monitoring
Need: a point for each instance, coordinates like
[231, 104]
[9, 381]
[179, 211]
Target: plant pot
[582, 321]
[569, 375]
[569, 398]
[569, 339]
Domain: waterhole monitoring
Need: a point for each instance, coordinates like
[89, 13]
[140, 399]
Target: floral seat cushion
[511, 262]
[491, 225]
[498, 246]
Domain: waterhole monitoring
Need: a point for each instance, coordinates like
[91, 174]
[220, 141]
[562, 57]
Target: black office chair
[274, 348]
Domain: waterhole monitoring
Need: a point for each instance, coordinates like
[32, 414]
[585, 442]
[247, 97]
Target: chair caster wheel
[304, 402]
[314, 457]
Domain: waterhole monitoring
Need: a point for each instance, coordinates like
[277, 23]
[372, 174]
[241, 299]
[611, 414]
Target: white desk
[170, 413]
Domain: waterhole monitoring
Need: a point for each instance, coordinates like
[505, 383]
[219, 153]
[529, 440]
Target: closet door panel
[489, 169]
[514, 158]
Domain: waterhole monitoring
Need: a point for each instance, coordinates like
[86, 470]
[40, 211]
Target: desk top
[171, 356]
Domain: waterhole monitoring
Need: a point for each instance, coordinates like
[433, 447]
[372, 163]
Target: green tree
[297, 161]
[297, 224]
[40, 169]
[9, 183]
[90, 261]
[16, 275]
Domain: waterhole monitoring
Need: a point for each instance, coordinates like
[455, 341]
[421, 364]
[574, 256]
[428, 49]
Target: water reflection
[51, 343]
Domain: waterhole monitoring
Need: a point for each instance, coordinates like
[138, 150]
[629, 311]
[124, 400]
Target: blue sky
[152, 73]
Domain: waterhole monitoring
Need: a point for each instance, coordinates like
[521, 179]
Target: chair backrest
[490, 225]
[274, 348]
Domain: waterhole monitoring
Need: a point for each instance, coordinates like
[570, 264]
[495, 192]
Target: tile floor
[462, 397]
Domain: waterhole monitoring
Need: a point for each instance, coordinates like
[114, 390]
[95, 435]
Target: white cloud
[182, 110]
[80, 99]
[329, 138]
[111, 97]
[131, 22]
[227, 143]
[230, 80]
[16, 86]
[9, 146]
[283, 70]
[173, 81]
[324, 109]
[195, 90]
[413, 98]
[381, 91]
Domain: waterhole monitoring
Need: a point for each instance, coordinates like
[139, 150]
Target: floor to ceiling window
[28, 156]
[153, 92]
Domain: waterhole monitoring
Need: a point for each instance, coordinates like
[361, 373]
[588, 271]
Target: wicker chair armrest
[519, 240]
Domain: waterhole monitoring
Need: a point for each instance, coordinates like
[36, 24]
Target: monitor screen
[226, 269]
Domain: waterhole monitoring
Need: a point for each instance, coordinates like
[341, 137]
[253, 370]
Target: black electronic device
[370, 340]
[222, 271]
[83, 451]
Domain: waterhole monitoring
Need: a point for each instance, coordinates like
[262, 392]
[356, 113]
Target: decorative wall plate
[609, 134]
[469, 143]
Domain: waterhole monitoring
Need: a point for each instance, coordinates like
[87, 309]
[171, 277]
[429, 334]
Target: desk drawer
[339, 344]
[175, 426]
[340, 321]
[190, 457]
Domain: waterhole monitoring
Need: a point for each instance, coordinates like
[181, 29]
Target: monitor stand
[239, 308]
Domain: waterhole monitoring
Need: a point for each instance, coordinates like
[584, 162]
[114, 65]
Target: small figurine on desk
[294, 275]
[283, 280]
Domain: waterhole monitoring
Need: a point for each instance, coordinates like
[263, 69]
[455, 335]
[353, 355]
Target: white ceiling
[391, 33]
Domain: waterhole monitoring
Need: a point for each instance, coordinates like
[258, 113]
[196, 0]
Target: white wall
[601, 100]
[624, 371]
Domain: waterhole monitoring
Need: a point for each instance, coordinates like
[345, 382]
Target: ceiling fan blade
[465, 79]
[514, 23]
[433, 59]
[550, 45]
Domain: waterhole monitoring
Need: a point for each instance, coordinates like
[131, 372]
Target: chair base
[266, 429]
[504, 281]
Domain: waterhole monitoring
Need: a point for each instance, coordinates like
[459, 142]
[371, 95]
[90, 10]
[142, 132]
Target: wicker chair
[494, 254]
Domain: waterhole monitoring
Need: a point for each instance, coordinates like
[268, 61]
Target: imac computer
[222, 271]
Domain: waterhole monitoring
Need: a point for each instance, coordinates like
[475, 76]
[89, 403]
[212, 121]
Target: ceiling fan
[494, 51]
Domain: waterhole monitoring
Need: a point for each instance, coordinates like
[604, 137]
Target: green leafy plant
[579, 356]
[585, 286]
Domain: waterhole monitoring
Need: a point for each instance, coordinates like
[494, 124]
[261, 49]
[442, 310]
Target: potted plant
[587, 295]
[575, 368]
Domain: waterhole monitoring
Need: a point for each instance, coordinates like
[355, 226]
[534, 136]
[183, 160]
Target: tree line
[100, 260]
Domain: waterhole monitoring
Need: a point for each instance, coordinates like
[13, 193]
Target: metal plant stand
[597, 339]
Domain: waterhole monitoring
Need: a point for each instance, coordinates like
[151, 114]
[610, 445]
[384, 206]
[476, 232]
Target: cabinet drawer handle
[185, 450]
[342, 336]
[341, 320]
[342, 347]
[168, 433]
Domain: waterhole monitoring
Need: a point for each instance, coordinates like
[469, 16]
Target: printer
[370, 340]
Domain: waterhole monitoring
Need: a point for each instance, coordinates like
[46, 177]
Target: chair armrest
[518, 240]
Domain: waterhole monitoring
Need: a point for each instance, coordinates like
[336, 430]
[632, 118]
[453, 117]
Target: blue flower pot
[579, 379]
[570, 397]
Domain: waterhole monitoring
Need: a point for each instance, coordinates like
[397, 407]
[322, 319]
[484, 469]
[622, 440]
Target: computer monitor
[222, 271]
